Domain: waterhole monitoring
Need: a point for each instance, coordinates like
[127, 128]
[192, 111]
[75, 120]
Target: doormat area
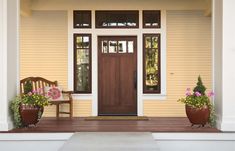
[116, 118]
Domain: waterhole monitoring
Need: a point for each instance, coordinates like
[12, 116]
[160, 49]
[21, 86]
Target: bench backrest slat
[37, 83]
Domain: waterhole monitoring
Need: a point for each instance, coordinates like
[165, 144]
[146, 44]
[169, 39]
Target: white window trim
[122, 32]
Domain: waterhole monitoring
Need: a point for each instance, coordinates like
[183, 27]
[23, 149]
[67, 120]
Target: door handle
[135, 79]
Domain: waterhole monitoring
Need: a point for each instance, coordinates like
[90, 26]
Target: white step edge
[35, 136]
[194, 136]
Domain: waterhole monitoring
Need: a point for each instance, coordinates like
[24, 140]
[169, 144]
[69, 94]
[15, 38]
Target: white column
[9, 56]
[224, 63]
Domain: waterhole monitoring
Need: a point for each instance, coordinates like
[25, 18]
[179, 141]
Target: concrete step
[110, 141]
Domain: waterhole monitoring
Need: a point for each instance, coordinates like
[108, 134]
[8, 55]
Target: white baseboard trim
[35, 136]
[3, 126]
[194, 136]
[226, 124]
[6, 126]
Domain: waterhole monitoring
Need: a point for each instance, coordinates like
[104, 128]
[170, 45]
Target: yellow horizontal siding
[188, 55]
[43, 43]
[80, 109]
[43, 46]
[44, 52]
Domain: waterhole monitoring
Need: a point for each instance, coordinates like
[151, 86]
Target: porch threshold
[80, 124]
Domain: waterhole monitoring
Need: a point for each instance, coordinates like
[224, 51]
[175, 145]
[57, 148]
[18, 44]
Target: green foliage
[198, 99]
[28, 87]
[200, 87]
[15, 111]
[35, 99]
[200, 102]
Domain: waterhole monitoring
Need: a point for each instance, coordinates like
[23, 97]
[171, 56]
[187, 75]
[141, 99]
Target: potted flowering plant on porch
[198, 106]
[28, 108]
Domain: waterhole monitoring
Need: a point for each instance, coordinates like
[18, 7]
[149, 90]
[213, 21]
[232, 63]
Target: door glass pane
[79, 42]
[82, 70]
[148, 42]
[154, 42]
[130, 46]
[122, 46]
[151, 61]
[86, 42]
[82, 63]
[83, 42]
[105, 46]
[112, 46]
[151, 64]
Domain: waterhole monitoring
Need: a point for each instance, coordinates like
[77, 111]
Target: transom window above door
[117, 19]
[151, 19]
[117, 46]
[82, 19]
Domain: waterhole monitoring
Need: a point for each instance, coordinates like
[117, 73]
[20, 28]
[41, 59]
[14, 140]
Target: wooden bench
[41, 83]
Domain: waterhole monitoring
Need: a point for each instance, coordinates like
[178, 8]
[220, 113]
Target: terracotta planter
[30, 114]
[198, 116]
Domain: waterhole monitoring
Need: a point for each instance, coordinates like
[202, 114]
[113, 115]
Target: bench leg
[57, 110]
[71, 109]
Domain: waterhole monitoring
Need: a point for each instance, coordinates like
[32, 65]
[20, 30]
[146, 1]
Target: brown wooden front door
[117, 75]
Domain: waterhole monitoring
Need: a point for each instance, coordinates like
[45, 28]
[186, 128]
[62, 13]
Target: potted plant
[27, 108]
[198, 106]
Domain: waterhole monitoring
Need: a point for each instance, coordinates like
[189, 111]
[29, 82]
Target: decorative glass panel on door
[112, 46]
[151, 63]
[104, 46]
[130, 46]
[82, 63]
[121, 46]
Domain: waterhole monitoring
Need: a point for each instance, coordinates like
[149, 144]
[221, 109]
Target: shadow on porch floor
[154, 124]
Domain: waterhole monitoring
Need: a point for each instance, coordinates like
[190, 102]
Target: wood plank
[154, 124]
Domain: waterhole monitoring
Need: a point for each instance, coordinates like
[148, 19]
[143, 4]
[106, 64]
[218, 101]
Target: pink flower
[210, 94]
[34, 91]
[40, 91]
[198, 94]
[30, 93]
[188, 93]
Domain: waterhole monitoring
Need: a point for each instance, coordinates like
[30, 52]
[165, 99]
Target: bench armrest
[68, 92]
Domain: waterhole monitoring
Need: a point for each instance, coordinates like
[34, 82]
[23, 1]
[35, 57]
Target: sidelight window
[151, 63]
[82, 63]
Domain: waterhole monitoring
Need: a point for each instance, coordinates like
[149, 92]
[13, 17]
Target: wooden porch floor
[154, 124]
